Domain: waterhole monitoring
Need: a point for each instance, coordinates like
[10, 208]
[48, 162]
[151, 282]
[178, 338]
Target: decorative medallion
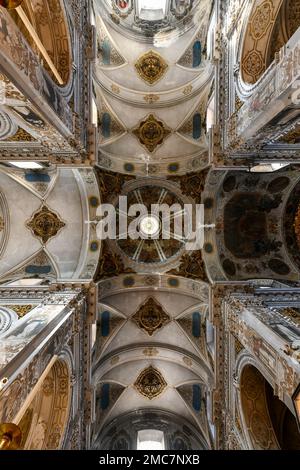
[48, 386]
[151, 98]
[45, 224]
[151, 132]
[187, 90]
[253, 64]
[150, 352]
[261, 20]
[115, 89]
[151, 67]
[150, 383]
[151, 317]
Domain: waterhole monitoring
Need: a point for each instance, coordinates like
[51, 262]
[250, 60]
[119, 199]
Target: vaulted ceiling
[151, 89]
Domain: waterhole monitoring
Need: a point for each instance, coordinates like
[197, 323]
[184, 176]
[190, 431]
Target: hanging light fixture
[10, 436]
[296, 402]
[10, 4]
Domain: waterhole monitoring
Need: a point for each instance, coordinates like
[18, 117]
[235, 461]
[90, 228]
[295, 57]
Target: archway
[44, 421]
[270, 423]
[48, 20]
[270, 26]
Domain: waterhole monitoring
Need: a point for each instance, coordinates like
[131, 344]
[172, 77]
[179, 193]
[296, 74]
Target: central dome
[158, 241]
[147, 18]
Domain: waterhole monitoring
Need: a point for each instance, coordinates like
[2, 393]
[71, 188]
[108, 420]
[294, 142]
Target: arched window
[197, 126]
[150, 439]
[196, 325]
[197, 54]
[106, 125]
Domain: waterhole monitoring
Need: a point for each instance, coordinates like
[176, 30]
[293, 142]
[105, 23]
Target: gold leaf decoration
[110, 264]
[21, 310]
[45, 224]
[151, 67]
[150, 352]
[187, 90]
[151, 317]
[191, 266]
[151, 98]
[151, 132]
[150, 383]
[21, 136]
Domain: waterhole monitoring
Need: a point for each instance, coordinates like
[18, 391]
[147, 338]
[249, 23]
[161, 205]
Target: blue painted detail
[31, 269]
[196, 325]
[173, 167]
[94, 201]
[129, 167]
[197, 397]
[105, 49]
[37, 177]
[106, 125]
[129, 281]
[105, 324]
[197, 126]
[94, 246]
[173, 282]
[197, 54]
[104, 403]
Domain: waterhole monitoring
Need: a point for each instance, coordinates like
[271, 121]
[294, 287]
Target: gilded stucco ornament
[150, 383]
[151, 317]
[45, 224]
[21, 310]
[151, 67]
[151, 132]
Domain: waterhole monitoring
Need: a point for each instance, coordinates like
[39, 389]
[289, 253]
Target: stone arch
[270, 26]
[49, 20]
[179, 434]
[45, 419]
[7, 318]
[269, 422]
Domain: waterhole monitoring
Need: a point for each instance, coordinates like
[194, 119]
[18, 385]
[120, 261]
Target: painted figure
[123, 4]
